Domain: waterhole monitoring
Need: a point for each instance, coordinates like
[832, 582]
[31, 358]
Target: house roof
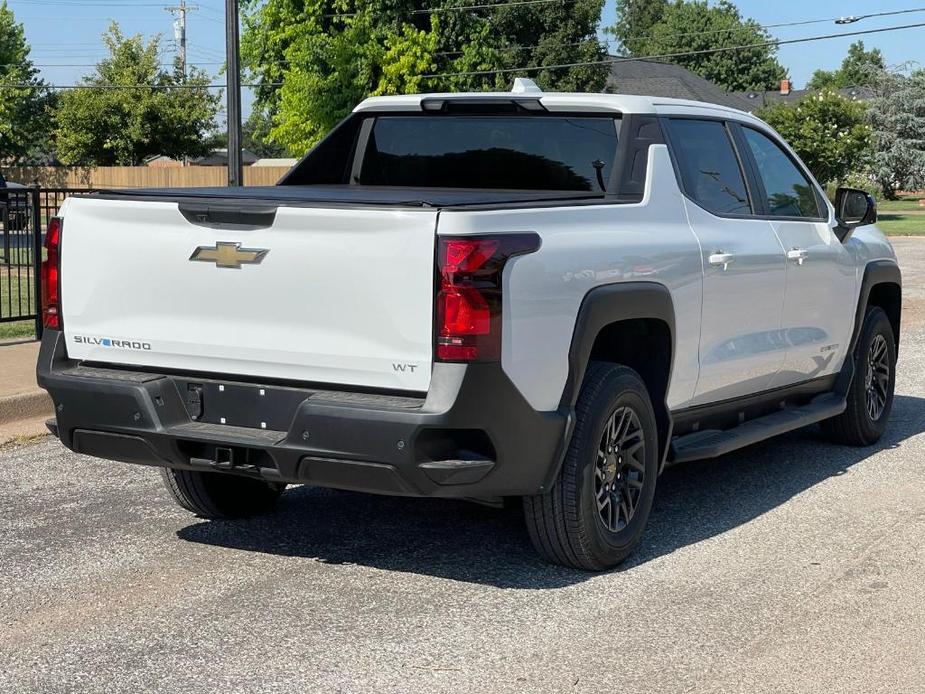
[219, 157]
[654, 78]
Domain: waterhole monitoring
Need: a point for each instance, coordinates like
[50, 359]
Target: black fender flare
[876, 272]
[612, 303]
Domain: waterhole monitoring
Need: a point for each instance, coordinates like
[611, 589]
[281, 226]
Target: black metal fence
[24, 215]
[21, 259]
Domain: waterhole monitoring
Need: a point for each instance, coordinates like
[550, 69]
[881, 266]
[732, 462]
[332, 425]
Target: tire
[568, 525]
[861, 424]
[215, 495]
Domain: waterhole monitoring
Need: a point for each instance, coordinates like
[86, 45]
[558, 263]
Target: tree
[695, 26]
[256, 136]
[858, 69]
[315, 61]
[897, 116]
[827, 130]
[25, 100]
[635, 19]
[255, 132]
[131, 108]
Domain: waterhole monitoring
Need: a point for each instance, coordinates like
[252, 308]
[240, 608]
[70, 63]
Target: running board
[711, 443]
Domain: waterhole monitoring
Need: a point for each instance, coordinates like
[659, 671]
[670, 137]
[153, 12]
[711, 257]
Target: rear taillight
[51, 276]
[469, 293]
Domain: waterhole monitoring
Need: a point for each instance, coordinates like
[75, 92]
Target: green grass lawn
[20, 329]
[902, 225]
[907, 203]
[16, 298]
[901, 217]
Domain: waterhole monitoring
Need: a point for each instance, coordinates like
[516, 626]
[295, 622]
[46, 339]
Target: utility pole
[233, 70]
[179, 29]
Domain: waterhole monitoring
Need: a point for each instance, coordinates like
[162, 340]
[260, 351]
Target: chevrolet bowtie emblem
[229, 254]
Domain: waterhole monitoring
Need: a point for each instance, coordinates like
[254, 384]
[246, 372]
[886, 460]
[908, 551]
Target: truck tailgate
[341, 296]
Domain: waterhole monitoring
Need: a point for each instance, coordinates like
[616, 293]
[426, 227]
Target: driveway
[792, 566]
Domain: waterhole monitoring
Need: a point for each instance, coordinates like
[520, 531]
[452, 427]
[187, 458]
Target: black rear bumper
[473, 435]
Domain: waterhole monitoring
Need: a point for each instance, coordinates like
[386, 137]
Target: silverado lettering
[109, 342]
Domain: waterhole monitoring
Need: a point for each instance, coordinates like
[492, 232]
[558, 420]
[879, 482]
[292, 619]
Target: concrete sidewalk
[24, 406]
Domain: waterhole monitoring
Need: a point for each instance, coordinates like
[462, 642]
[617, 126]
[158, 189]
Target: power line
[680, 54]
[56, 18]
[113, 87]
[206, 50]
[856, 18]
[472, 73]
[63, 3]
[778, 25]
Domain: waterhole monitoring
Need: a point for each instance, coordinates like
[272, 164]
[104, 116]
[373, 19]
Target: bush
[828, 131]
[861, 181]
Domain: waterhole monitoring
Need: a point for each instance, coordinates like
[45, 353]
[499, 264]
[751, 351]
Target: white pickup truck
[486, 296]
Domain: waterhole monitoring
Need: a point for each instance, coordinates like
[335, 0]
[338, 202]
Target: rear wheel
[216, 495]
[597, 511]
[870, 397]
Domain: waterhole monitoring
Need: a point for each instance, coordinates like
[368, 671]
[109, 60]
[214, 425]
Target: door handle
[797, 254]
[720, 258]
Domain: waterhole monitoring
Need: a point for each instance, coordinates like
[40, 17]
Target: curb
[34, 403]
[23, 431]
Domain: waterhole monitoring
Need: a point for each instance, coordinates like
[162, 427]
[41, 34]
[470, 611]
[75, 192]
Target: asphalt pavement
[793, 566]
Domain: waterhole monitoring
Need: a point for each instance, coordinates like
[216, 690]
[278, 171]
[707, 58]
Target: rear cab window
[549, 152]
[710, 170]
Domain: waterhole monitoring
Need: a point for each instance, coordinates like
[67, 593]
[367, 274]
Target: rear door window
[710, 170]
[500, 152]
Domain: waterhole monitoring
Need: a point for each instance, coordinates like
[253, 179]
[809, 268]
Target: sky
[65, 34]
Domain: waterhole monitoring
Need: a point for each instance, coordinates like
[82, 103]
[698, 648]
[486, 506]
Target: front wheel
[596, 512]
[870, 396]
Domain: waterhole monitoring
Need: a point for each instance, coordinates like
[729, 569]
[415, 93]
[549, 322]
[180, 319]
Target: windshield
[510, 152]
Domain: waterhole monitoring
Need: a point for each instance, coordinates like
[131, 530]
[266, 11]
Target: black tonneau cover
[348, 195]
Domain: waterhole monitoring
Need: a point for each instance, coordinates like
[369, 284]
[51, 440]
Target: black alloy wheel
[620, 471]
[877, 378]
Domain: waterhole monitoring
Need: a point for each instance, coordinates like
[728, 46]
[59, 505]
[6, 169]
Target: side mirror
[853, 208]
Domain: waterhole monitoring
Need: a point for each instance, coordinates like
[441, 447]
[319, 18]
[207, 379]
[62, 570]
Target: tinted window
[709, 167]
[518, 152]
[790, 194]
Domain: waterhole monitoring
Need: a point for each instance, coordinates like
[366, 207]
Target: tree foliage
[696, 25]
[827, 130]
[316, 59]
[897, 116]
[24, 98]
[255, 132]
[131, 108]
[635, 19]
[859, 68]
